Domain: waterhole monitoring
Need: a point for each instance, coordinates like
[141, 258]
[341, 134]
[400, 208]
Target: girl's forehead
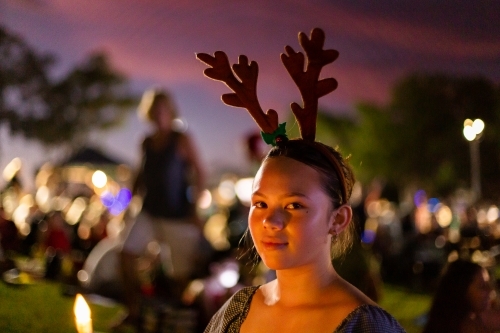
[286, 167]
[286, 174]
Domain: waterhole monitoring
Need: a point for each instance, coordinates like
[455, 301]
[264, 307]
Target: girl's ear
[340, 219]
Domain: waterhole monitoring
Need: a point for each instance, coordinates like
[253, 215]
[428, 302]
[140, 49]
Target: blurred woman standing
[464, 301]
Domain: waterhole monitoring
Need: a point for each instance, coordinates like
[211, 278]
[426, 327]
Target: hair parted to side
[324, 159]
[150, 98]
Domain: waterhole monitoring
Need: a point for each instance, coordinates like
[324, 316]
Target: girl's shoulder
[230, 316]
[240, 301]
[369, 318]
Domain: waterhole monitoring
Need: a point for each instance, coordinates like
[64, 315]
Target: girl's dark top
[364, 319]
[165, 177]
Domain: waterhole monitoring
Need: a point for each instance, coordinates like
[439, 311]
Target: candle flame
[81, 309]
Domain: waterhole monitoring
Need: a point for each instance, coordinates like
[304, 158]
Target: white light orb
[99, 179]
[469, 133]
[478, 126]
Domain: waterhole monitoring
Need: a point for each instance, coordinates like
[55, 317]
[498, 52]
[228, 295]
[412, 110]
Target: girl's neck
[300, 285]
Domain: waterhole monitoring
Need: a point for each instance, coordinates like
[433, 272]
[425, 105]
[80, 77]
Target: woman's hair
[151, 98]
[450, 305]
[326, 161]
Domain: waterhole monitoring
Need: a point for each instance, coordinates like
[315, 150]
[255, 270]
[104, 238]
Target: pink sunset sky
[153, 42]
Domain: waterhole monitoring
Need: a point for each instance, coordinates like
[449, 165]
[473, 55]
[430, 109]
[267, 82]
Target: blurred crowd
[69, 230]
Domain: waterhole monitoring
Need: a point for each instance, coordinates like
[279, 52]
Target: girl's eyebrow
[287, 195]
[297, 194]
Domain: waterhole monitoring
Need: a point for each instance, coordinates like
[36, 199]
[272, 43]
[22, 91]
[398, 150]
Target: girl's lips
[272, 245]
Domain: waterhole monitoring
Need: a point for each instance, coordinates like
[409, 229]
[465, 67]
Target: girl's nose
[274, 220]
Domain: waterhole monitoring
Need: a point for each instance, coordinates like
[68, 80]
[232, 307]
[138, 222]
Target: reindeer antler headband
[311, 88]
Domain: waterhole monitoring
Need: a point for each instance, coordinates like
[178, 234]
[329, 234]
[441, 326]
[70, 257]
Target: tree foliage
[58, 111]
[416, 139]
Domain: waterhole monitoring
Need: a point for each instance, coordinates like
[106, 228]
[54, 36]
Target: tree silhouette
[427, 113]
[58, 111]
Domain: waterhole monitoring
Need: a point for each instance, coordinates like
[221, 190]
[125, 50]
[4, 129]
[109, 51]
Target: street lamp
[472, 132]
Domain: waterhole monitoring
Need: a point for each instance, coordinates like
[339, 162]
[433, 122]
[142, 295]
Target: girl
[299, 213]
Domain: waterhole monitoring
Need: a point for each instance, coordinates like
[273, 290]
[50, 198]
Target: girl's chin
[275, 264]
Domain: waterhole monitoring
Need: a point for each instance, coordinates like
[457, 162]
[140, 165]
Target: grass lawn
[43, 308]
[406, 306]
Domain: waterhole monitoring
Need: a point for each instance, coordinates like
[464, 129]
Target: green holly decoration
[270, 138]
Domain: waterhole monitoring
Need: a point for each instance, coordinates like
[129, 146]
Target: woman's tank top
[166, 182]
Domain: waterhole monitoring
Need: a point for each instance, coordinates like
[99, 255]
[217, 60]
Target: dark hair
[450, 305]
[328, 162]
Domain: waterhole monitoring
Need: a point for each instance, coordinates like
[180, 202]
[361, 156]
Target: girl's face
[161, 115]
[479, 291]
[290, 215]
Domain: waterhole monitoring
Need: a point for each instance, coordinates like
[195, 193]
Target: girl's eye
[294, 205]
[260, 204]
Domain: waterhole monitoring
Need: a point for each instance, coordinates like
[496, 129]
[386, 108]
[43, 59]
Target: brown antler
[245, 92]
[309, 86]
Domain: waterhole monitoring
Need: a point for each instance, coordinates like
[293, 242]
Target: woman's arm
[193, 160]
[138, 182]
[192, 157]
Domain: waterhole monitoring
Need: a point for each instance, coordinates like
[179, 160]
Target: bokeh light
[229, 277]
[444, 216]
[99, 179]
[433, 204]
[180, 125]
[205, 200]
[243, 190]
[419, 197]
[42, 198]
[116, 204]
[493, 214]
[215, 231]
[75, 210]
[478, 126]
[473, 129]
[11, 169]
[226, 191]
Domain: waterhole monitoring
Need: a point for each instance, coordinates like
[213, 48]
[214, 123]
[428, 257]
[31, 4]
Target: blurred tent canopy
[90, 155]
[87, 160]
